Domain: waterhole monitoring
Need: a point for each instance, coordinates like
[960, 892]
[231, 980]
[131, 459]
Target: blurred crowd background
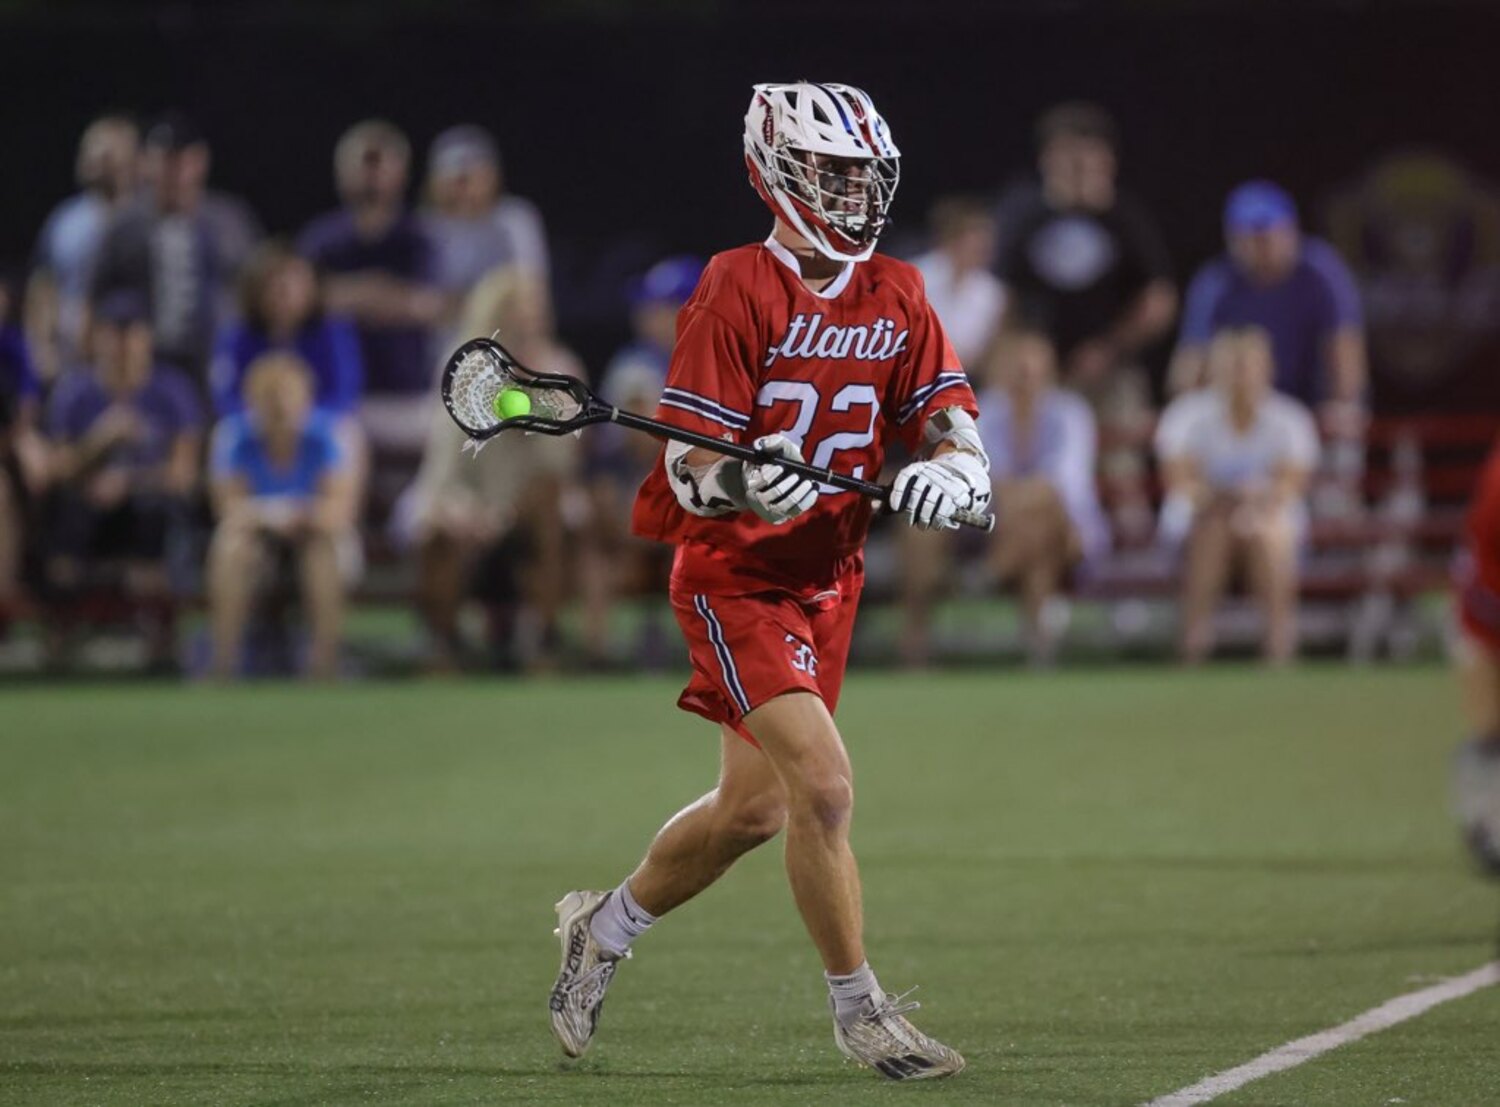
[1227, 282]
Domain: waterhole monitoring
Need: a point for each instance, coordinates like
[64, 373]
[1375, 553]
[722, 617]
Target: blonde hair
[490, 305]
[272, 372]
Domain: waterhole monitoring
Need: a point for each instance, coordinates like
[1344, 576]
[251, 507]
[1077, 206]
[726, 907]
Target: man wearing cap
[177, 246]
[1298, 289]
[475, 226]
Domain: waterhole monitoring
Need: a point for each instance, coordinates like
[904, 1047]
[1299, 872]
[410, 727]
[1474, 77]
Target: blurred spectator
[57, 295]
[968, 298]
[22, 453]
[281, 308]
[176, 248]
[125, 440]
[1294, 286]
[1087, 265]
[477, 227]
[1041, 441]
[285, 504]
[611, 559]
[1236, 459]
[493, 523]
[379, 268]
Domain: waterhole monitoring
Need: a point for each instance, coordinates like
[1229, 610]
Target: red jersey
[844, 372]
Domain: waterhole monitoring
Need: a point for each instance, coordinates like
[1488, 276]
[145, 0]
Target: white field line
[1292, 1054]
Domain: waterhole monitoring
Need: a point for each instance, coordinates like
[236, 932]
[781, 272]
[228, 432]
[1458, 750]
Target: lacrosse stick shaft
[723, 446]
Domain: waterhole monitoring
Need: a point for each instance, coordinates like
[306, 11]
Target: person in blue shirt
[282, 493]
[1294, 286]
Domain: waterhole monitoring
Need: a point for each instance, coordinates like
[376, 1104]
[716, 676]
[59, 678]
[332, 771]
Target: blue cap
[670, 281]
[1259, 206]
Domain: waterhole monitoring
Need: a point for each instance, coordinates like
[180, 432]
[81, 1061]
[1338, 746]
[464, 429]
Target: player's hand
[774, 493]
[931, 493]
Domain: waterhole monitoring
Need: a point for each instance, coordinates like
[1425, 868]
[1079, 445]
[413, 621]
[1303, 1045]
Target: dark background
[622, 121]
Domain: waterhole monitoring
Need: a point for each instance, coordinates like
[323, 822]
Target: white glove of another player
[930, 493]
[774, 493]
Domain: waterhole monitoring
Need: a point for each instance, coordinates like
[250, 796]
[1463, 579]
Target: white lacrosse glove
[931, 493]
[774, 493]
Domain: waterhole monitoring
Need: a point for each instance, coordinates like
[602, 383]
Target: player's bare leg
[694, 849]
[701, 842]
[800, 740]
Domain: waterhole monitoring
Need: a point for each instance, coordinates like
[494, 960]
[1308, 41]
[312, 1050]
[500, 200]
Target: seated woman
[282, 492]
[1041, 440]
[1477, 766]
[1235, 459]
[1043, 447]
[492, 523]
[281, 308]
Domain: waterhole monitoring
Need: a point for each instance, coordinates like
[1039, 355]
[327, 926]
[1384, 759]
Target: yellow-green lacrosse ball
[511, 403]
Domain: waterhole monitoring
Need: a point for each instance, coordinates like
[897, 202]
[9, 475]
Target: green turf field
[1109, 884]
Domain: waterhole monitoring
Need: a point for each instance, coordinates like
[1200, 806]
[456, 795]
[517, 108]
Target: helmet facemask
[847, 197]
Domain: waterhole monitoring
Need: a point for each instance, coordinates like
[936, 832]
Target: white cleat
[883, 1038]
[587, 969]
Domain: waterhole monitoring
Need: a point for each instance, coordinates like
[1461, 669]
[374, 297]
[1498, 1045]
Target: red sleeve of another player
[710, 383]
[931, 379]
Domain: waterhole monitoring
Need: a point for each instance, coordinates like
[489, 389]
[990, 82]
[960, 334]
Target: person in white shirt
[1042, 444]
[968, 298]
[1236, 458]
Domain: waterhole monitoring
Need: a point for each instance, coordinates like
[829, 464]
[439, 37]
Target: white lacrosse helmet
[792, 134]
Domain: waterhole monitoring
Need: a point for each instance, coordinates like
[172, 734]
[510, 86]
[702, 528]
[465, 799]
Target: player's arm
[936, 418]
[706, 483]
[710, 389]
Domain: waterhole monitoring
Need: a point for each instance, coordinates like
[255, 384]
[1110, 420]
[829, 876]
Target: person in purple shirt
[281, 307]
[125, 439]
[1298, 289]
[378, 263]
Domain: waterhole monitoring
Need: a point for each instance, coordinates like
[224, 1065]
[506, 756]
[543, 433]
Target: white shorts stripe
[721, 648]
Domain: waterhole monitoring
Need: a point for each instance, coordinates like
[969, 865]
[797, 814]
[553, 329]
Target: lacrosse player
[1477, 763]
[810, 345]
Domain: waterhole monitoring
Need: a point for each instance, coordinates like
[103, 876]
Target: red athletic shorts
[747, 649]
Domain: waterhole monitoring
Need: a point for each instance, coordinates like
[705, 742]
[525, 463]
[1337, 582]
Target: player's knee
[827, 799]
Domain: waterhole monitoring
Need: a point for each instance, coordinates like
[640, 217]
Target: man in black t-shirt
[1087, 266]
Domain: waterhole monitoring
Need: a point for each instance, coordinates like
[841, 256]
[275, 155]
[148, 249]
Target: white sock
[850, 992]
[620, 921]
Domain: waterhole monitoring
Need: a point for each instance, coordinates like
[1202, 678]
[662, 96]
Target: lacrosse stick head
[481, 370]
